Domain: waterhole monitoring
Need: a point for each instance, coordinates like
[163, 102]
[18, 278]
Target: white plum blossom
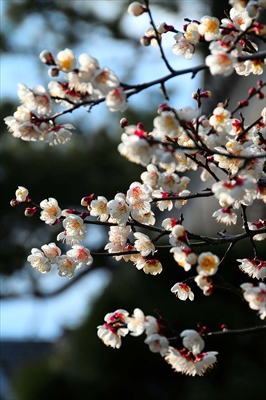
[183, 47]
[225, 216]
[157, 343]
[119, 209]
[205, 284]
[115, 327]
[21, 194]
[209, 28]
[51, 251]
[74, 230]
[182, 291]
[230, 191]
[98, 208]
[221, 63]
[144, 244]
[151, 266]
[35, 98]
[207, 264]
[151, 176]
[116, 100]
[256, 297]
[66, 60]
[256, 226]
[184, 257]
[38, 260]
[80, 256]
[192, 341]
[51, 211]
[136, 323]
[65, 266]
[105, 80]
[254, 268]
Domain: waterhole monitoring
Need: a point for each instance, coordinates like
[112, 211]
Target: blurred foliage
[81, 367]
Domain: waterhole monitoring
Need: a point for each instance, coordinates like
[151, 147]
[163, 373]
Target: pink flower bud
[140, 125]
[145, 41]
[206, 94]
[47, 58]
[123, 122]
[14, 203]
[252, 91]
[53, 72]
[29, 212]
[84, 214]
[243, 103]
[163, 107]
[260, 95]
[86, 201]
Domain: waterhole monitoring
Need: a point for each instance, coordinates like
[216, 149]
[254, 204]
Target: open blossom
[151, 266]
[183, 291]
[35, 98]
[255, 268]
[183, 47]
[98, 208]
[209, 27]
[257, 225]
[205, 284]
[256, 297]
[221, 63]
[38, 260]
[184, 257]
[151, 176]
[144, 244]
[192, 341]
[225, 216]
[136, 323]
[116, 100]
[157, 343]
[105, 80]
[21, 194]
[66, 60]
[80, 256]
[65, 266]
[207, 264]
[58, 134]
[115, 327]
[51, 251]
[230, 191]
[51, 211]
[74, 230]
[119, 210]
[188, 364]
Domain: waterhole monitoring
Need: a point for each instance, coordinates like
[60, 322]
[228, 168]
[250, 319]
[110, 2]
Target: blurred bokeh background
[49, 346]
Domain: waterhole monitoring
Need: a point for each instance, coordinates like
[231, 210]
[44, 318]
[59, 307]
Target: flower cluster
[189, 360]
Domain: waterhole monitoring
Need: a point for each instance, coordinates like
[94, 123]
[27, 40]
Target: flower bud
[86, 201]
[163, 107]
[47, 58]
[53, 72]
[30, 211]
[252, 91]
[123, 122]
[260, 95]
[206, 94]
[140, 126]
[136, 9]
[145, 41]
[14, 203]
[243, 103]
[84, 214]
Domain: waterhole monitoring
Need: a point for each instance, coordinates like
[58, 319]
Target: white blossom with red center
[225, 216]
[184, 257]
[65, 266]
[98, 208]
[51, 251]
[205, 284]
[80, 256]
[38, 260]
[256, 297]
[182, 291]
[255, 268]
[51, 211]
[116, 100]
[157, 344]
[115, 327]
[143, 244]
[119, 210]
[228, 192]
[74, 230]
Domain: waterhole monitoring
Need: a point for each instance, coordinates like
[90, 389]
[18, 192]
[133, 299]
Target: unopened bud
[252, 91]
[163, 27]
[243, 103]
[53, 72]
[163, 107]
[123, 122]
[47, 58]
[84, 214]
[136, 9]
[86, 201]
[259, 83]
[206, 94]
[30, 211]
[140, 125]
[145, 41]
[195, 95]
[260, 95]
[14, 203]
